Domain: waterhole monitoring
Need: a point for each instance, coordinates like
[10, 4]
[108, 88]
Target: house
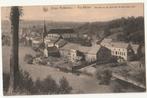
[76, 56]
[73, 51]
[121, 50]
[104, 56]
[73, 55]
[36, 42]
[52, 36]
[125, 51]
[65, 33]
[60, 43]
[76, 52]
[51, 51]
[91, 55]
[49, 41]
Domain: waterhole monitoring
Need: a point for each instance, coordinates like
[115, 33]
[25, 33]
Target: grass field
[81, 83]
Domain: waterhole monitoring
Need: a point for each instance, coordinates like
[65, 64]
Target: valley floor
[80, 84]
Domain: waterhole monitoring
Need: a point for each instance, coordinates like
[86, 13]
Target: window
[124, 54]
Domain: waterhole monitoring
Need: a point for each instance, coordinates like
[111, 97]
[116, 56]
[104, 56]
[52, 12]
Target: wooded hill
[129, 29]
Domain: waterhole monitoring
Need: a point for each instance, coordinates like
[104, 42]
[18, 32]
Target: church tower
[44, 31]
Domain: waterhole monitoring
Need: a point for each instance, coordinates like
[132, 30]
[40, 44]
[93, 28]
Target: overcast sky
[76, 13]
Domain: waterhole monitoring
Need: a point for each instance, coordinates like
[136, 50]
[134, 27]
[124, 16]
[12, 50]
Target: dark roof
[60, 31]
[52, 49]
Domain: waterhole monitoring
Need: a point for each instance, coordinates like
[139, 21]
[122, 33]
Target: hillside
[129, 29]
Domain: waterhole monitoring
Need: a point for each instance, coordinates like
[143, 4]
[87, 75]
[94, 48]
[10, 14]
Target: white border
[57, 2]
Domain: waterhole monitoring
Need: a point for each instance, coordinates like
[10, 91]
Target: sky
[79, 13]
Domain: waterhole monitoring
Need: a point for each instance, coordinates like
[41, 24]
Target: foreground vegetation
[27, 86]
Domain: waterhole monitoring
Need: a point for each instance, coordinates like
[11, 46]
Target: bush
[27, 86]
[64, 87]
[28, 58]
[47, 86]
[116, 86]
[104, 76]
[26, 83]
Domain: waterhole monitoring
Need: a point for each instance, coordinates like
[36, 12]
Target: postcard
[73, 49]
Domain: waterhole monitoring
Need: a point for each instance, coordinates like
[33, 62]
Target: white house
[121, 49]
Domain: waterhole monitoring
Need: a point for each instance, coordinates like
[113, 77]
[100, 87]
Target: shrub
[116, 86]
[27, 86]
[104, 76]
[47, 86]
[25, 82]
[28, 58]
[64, 87]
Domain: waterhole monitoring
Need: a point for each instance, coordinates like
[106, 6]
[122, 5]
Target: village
[66, 50]
[73, 49]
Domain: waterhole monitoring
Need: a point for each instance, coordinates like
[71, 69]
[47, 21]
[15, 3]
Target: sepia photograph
[73, 49]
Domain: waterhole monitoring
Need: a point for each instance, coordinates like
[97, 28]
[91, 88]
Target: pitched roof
[135, 47]
[92, 50]
[106, 40]
[119, 44]
[60, 31]
[61, 42]
[69, 46]
[37, 40]
[52, 49]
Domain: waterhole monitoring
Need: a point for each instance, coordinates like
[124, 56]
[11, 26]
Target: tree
[46, 86]
[14, 58]
[64, 88]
